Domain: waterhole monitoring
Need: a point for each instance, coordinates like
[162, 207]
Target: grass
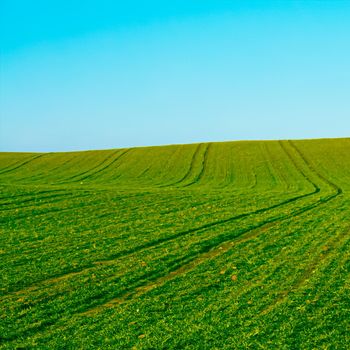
[235, 245]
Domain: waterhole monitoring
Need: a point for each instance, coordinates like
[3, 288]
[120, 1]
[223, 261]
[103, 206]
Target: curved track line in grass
[168, 166]
[312, 168]
[15, 163]
[169, 211]
[163, 240]
[183, 269]
[208, 252]
[187, 263]
[228, 238]
[203, 166]
[52, 170]
[190, 169]
[28, 195]
[281, 175]
[144, 172]
[22, 164]
[64, 276]
[91, 204]
[55, 210]
[89, 173]
[261, 282]
[108, 165]
[150, 245]
[67, 180]
[36, 195]
[157, 242]
[38, 211]
[192, 166]
[184, 264]
[155, 279]
[40, 202]
[298, 168]
[338, 190]
[321, 258]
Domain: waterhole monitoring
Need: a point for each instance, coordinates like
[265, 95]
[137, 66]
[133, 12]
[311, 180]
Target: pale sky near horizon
[106, 74]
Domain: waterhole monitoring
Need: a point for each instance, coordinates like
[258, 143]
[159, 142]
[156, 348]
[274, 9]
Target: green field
[233, 245]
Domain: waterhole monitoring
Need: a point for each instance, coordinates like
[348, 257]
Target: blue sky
[105, 74]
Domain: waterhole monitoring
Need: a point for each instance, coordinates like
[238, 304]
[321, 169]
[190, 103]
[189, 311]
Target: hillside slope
[211, 245]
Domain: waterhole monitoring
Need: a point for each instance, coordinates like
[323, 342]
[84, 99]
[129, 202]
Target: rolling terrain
[233, 245]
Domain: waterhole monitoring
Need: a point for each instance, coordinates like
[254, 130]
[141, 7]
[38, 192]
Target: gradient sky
[105, 74]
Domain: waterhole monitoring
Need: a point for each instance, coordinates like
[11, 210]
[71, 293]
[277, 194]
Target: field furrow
[164, 247]
[18, 165]
[87, 173]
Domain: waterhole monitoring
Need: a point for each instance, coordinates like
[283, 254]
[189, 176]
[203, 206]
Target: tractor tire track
[149, 245]
[220, 246]
[186, 264]
[22, 164]
[45, 211]
[38, 201]
[31, 194]
[52, 170]
[307, 162]
[270, 221]
[156, 279]
[107, 166]
[180, 266]
[190, 169]
[320, 259]
[15, 163]
[160, 241]
[280, 174]
[163, 240]
[203, 166]
[67, 180]
[298, 168]
[91, 204]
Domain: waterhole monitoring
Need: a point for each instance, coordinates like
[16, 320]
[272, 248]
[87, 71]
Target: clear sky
[105, 74]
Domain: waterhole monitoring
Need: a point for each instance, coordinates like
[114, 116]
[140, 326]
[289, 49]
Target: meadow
[232, 245]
